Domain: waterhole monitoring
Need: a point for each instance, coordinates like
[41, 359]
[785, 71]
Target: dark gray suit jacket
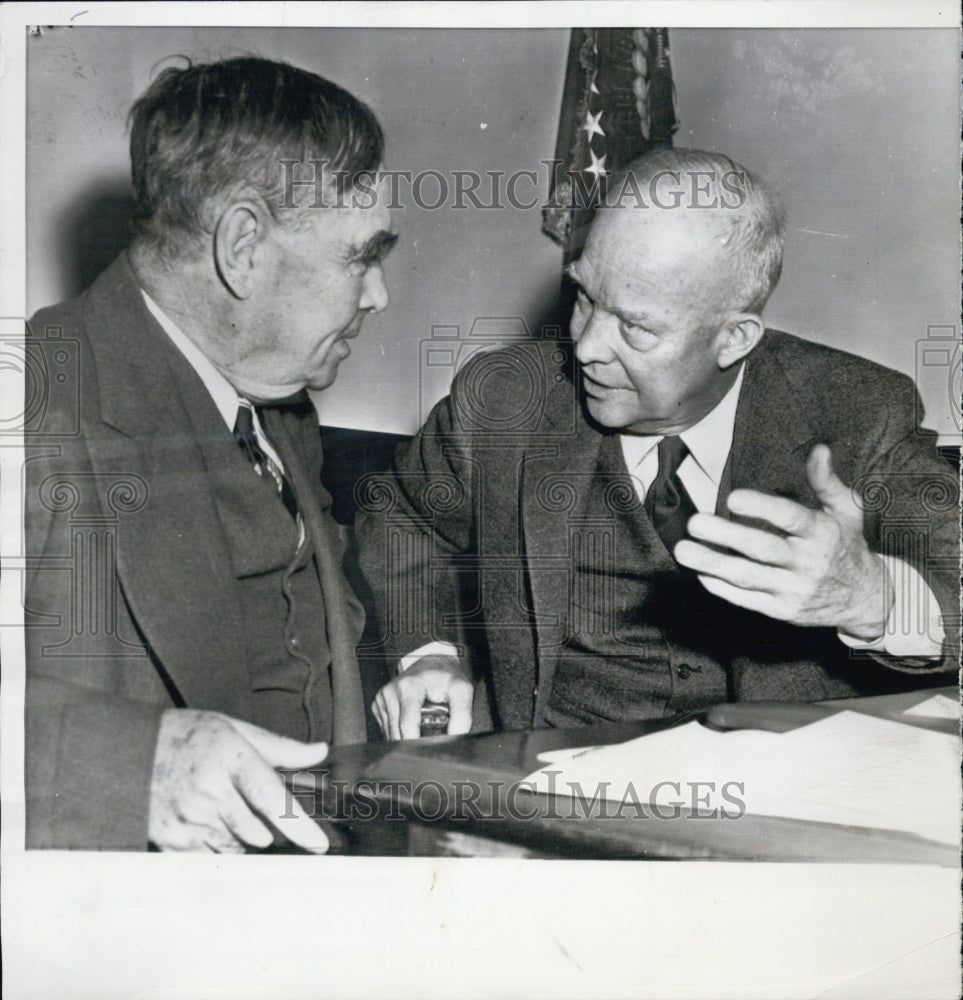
[491, 485]
[132, 601]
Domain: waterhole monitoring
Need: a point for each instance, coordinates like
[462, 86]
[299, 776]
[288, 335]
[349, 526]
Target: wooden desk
[460, 796]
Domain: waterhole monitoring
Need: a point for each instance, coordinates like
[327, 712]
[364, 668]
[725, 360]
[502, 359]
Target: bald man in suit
[703, 511]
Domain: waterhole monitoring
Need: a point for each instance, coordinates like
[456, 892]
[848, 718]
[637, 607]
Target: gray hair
[750, 220]
[203, 132]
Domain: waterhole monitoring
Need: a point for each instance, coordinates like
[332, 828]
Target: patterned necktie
[246, 436]
[667, 503]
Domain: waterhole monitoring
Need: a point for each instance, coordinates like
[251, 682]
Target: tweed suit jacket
[493, 487]
[132, 602]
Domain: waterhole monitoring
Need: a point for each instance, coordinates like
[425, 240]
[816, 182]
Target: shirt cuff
[430, 649]
[914, 627]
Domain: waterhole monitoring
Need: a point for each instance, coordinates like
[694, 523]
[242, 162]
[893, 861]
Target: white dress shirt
[709, 443]
[225, 396]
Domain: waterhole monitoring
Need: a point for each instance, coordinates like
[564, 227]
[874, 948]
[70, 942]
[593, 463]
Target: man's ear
[737, 337]
[238, 246]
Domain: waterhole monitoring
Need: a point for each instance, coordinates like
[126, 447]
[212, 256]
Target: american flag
[618, 103]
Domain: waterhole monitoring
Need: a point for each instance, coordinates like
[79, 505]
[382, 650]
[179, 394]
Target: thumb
[835, 496]
[460, 698]
[279, 751]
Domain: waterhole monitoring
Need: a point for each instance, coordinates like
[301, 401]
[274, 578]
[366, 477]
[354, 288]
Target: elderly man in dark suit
[707, 511]
[189, 626]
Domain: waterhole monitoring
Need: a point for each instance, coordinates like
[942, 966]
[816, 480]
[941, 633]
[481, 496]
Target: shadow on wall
[93, 233]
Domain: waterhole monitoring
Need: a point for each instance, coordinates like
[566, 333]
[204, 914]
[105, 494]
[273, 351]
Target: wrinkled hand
[821, 573]
[214, 785]
[443, 679]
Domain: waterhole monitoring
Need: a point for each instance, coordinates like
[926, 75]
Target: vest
[281, 610]
[643, 638]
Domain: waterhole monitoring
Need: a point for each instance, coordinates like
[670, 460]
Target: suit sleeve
[89, 742]
[910, 496]
[415, 520]
[89, 761]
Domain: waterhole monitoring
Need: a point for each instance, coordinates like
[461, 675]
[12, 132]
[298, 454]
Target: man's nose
[593, 343]
[374, 291]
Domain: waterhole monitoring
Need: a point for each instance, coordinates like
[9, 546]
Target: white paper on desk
[849, 768]
[937, 707]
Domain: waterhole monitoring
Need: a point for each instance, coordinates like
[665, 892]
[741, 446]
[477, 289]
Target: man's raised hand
[819, 571]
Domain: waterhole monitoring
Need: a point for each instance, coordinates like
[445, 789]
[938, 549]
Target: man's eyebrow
[376, 248]
[637, 317]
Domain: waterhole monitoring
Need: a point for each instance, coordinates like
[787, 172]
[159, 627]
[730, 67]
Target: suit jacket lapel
[556, 477]
[173, 562]
[772, 437]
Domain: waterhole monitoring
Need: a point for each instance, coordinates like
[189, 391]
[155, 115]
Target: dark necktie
[667, 503]
[246, 437]
[280, 423]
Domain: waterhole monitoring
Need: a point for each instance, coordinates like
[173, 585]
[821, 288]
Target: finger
[739, 572]
[754, 543]
[222, 845]
[832, 492]
[460, 698]
[186, 836]
[243, 825]
[787, 515]
[279, 751]
[264, 792]
[392, 710]
[302, 830]
[381, 717]
[412, 698]
[198, 835]
[438, 682]
[753, 600]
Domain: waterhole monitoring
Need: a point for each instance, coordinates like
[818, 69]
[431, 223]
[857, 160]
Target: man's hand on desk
[440, 679]
[214, 777]
[821, 572]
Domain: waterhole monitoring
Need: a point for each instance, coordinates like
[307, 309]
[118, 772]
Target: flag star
[592, 124]
[597, 166]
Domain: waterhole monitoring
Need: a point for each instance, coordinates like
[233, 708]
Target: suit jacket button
[294, 642]
[685, 671]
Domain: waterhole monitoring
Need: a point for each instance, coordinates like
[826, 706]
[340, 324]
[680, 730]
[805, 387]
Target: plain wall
[448, 101]
[859, 132]
[857, 129]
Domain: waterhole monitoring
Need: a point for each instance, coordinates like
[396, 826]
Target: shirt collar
[221, 391]
[709, 441]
